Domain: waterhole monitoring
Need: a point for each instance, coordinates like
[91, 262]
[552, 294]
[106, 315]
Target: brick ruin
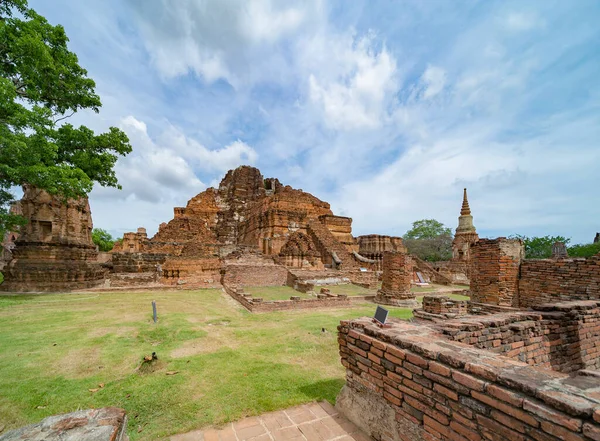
[54, 250]
[397, 280]
[519, 361]
[248, 231]
[408, 382]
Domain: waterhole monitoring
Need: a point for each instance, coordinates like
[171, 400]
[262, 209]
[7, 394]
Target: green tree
[540, 247]
[41, 85]
[584, 250]
[427, 229]
[103, 239]
[429, 240]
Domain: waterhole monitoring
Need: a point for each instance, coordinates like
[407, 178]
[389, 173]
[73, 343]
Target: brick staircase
[331, 249]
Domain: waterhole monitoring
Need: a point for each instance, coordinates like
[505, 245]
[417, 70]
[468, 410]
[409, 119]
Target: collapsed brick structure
[54, 250]
[409, 383]
[250, 227]
[501, 276]
[520, 361]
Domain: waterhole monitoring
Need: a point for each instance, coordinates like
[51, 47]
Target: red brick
[396, 352]
[445, 391]
[366, 338]
[428, 410]
[561, 419]
[500, 429]
[591, 431]
[508, 421]
[560, 432]
[374, 358]
[379, 345]
[504, 395]
[393, 358]
[467, 433]
[468, 381]
[392, 399]
[416, 360]
[439, 369]
[506, 408]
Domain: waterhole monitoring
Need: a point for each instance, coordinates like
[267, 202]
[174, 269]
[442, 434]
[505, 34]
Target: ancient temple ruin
[54, 250]
[520, 360]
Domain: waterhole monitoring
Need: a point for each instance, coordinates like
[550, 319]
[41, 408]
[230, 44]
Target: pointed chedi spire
[465, 210]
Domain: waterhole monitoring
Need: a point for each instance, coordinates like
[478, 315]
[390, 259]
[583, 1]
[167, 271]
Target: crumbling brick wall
[248, 269]
[403, 384]
[564, 337]
[551, 280]
[495, 265]
[256, 304]
[442, 305]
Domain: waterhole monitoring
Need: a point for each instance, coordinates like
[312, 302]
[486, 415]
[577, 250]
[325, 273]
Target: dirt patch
[123, 331]
[217, 338]
[78, 363]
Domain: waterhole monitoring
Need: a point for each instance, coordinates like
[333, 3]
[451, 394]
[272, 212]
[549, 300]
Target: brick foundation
[408, 383]
[258, 305]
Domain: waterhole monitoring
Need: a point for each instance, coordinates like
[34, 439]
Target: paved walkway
[309, 422]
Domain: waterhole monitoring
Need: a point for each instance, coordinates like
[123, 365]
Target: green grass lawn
[229, 363]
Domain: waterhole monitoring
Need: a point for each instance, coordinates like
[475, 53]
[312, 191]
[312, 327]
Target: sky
[384, 109]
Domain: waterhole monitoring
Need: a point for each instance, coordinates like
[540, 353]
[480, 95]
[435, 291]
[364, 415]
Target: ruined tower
[465, 235]
[54, 250]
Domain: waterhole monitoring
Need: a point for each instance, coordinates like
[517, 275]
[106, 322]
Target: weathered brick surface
[431, 384]
[494, 271]
[442, 305]
[550, 280]
[397, 278]
[564, 337]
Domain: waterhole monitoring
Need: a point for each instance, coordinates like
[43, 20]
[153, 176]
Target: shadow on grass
[323, 390]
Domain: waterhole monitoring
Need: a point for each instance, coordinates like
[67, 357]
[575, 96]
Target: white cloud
[216, 39]
[434, 80]
[350, 80]
[157, 169]
[520, 21]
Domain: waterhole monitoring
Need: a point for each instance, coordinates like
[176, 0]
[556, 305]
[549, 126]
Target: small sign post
[154, 317]
[381, 315]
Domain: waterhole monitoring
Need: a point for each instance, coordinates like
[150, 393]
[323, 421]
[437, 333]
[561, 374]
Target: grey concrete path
[309, 422]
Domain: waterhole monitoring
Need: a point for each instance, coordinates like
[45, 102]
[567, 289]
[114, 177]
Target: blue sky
[385, 109]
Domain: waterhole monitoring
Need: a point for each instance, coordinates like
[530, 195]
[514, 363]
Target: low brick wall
[563, 337]
[366, 279]
[408, 383]
[265, 273]
[550, 280]
[258, 305]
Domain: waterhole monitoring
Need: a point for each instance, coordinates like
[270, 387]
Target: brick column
[397, 277]
[495, 266]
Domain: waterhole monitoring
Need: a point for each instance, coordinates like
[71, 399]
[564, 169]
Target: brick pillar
[495, 266]
[397, 277]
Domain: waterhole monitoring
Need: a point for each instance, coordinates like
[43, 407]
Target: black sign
[381, 315]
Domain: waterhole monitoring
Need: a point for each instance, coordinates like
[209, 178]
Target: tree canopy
[41, 85]
[429, 240]
[427, 229]
[541, 247]
[103, 239]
